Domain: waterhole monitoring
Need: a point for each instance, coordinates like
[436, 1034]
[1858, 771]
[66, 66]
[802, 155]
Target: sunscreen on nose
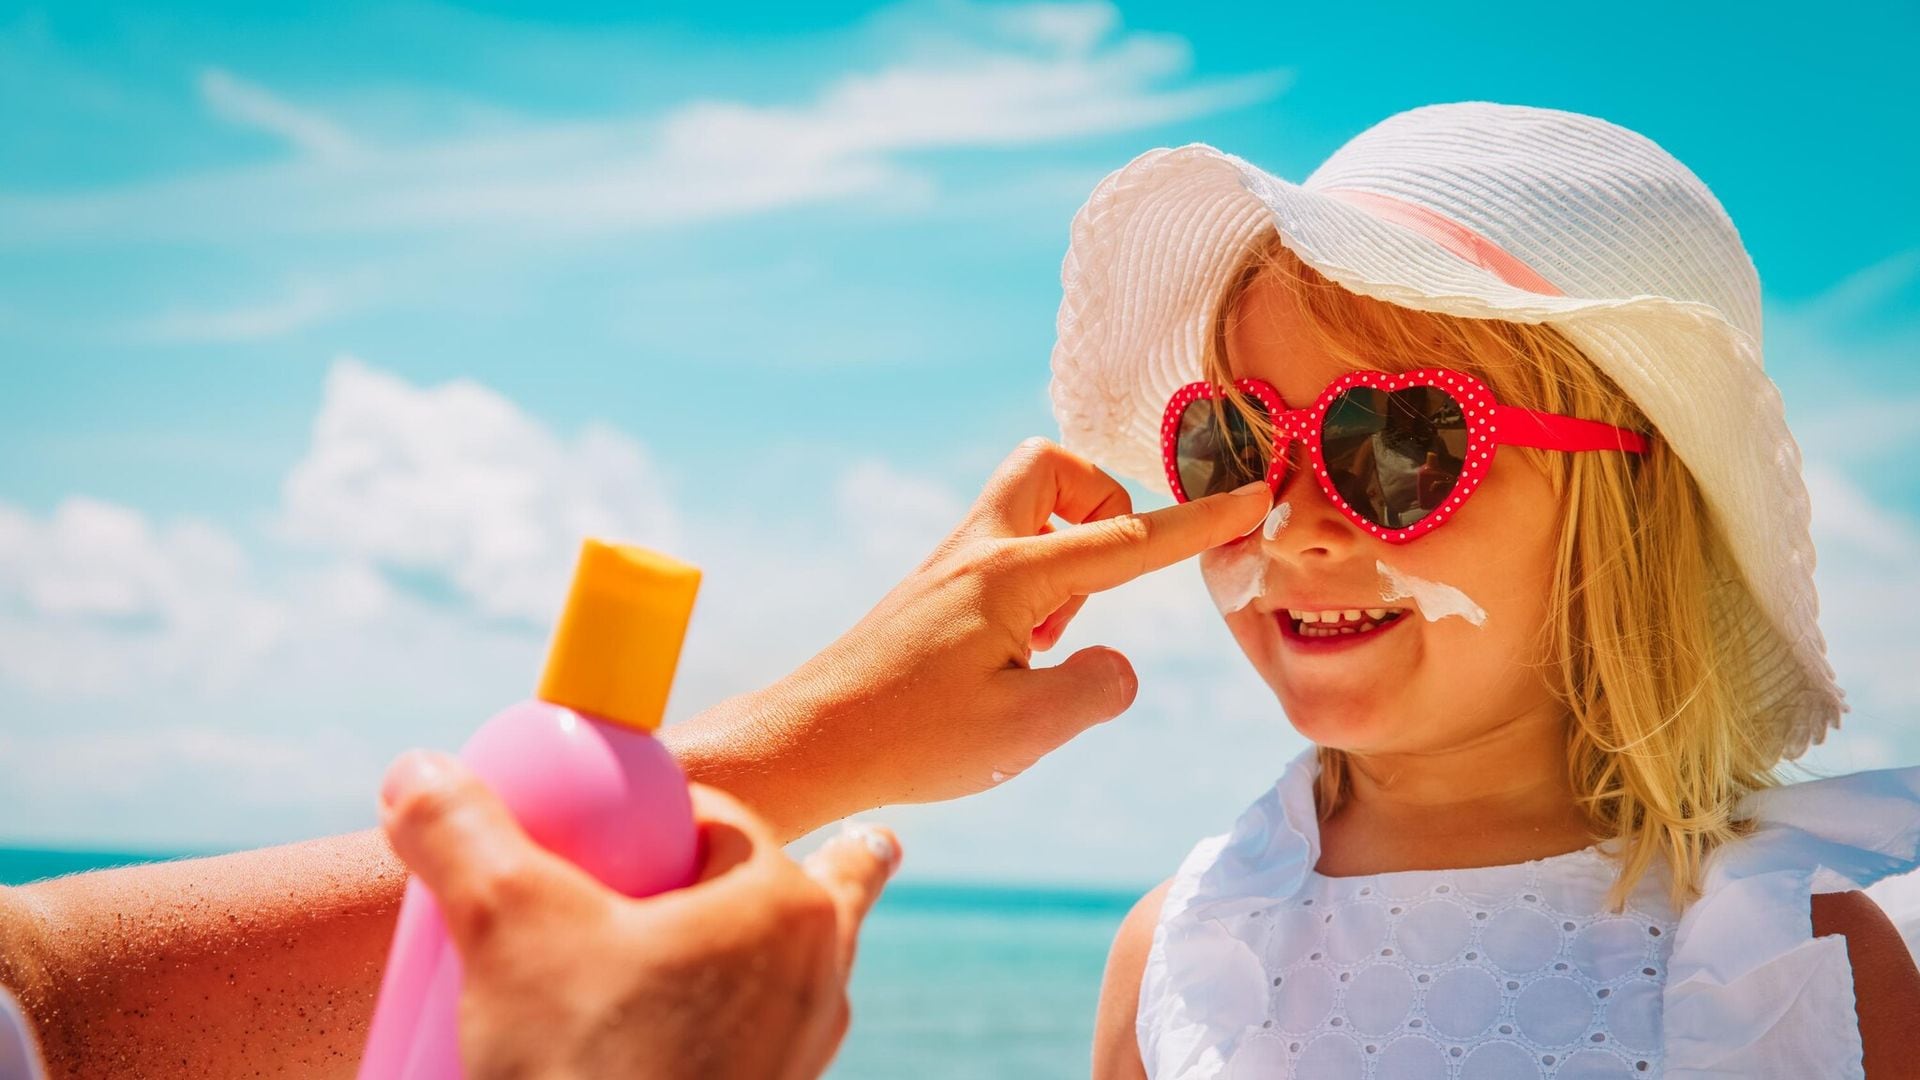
[579, 767]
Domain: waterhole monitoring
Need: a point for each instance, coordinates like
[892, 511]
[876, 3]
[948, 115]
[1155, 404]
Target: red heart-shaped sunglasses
[1399, 454]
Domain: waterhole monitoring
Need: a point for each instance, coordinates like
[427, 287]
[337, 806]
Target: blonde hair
[1659, 745]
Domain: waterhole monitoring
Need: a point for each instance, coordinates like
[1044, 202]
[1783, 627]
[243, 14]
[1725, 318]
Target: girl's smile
[1317, 631]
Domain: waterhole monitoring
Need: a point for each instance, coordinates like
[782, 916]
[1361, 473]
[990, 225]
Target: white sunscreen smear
[1276, 520]
[1436, 599]
[1236, 574]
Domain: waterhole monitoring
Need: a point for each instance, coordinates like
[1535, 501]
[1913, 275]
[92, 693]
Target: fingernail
[412, 772]
[1248, 489]
[877, 842]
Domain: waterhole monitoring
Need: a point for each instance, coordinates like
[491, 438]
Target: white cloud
[456, 482]
[304, 304]
[1842, 359]
[897, 517]
[96, 599]
[254, 106]
[978, 98]
[1074, 29]
[276, 768]
[979, 77]
[1862, 431]
[1860, 295]
[1868, 575]
[185, 783]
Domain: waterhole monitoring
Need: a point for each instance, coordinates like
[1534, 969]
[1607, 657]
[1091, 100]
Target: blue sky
[771, 287]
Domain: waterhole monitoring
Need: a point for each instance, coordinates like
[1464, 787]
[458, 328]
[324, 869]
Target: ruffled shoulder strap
[1750, 992]
[1203, 988]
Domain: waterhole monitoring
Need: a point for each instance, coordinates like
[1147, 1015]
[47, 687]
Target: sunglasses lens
[1394, 456]
[1217, 448]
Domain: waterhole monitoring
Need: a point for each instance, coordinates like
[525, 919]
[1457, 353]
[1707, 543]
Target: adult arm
[1886, 985]
[1116, 1047]
[266, 962]
[262, 961]
[933, 695]
[269, 959]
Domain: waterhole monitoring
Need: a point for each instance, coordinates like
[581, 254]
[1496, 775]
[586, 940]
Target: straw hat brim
[1150, 253]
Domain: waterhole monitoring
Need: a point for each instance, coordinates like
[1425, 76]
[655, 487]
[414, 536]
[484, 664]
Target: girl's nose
[1315, 528]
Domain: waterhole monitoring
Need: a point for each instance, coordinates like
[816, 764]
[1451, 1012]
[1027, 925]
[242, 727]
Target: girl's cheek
[1236, 573]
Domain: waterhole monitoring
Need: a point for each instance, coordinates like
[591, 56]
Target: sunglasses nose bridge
[1293, 423]
[1291, 428]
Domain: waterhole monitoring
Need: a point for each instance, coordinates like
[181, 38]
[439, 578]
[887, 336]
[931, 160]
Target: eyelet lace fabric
[1495, 972]
[1262, 967]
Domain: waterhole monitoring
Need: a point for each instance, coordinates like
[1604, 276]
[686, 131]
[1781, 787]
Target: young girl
[1539, 830]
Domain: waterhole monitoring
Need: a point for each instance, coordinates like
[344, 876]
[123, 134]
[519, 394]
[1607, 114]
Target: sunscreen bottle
[580, 769]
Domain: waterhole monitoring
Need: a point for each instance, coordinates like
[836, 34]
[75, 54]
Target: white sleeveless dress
[1262, 967]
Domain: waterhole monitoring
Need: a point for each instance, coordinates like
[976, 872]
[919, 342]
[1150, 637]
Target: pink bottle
[580, 768]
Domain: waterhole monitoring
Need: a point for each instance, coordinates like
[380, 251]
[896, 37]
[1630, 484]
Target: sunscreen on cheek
[580, 769]
[1236, 574]
[1435, 599]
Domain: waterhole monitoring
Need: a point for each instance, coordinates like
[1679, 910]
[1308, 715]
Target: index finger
[1100, 555]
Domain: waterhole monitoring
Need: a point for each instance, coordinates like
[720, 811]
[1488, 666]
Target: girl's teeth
[1319, 624]
[1323, 631]
[1342, 617]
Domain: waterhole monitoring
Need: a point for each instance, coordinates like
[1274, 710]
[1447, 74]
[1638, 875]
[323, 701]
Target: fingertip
[1122, 677]
[859, 841]
[724, 845]
[415, 773]
[713, 804]
[855, 864]
[1127, 678]
[879, 840]
[1251, 495]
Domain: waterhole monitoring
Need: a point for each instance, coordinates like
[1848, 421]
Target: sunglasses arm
[1551, 431]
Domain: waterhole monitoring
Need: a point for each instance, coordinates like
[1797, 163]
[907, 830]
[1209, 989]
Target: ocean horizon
[952, 979]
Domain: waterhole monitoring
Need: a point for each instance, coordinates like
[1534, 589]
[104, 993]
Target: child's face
[1414, 685]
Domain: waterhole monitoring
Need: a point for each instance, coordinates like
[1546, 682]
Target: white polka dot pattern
[1478, 974]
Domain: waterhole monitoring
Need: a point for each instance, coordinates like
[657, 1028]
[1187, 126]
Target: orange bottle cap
[618, 641]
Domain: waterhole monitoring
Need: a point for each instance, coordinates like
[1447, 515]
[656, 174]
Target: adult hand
[743, 973]
[933, 694]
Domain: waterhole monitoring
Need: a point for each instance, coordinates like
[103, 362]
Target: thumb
[1093, 685]
[853, 867]
[464, 845]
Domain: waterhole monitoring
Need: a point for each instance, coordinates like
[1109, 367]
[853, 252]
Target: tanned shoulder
[1886, 984]
[1116, 1050]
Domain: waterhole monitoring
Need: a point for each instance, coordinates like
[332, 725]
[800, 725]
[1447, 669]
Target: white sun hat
[1481, 210]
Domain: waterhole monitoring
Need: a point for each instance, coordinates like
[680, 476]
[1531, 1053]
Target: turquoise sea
[950, 981]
